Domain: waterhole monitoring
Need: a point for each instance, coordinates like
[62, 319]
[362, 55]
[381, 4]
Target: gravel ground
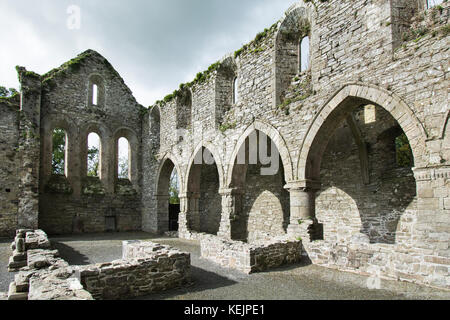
[5, 277]
[212, 282]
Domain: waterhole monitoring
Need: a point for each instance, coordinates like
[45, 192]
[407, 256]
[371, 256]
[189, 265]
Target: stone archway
[275, 137]
[309, 161]
[202, 203]
[339, 109]
[168, 165]
[256, 203]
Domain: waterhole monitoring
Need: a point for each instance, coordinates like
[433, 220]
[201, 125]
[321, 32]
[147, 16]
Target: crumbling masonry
[378, 70]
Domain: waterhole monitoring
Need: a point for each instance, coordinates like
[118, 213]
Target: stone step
[13, 295]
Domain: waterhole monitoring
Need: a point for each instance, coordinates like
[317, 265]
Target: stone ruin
[362, 136]
[146, 268]
[251, 258]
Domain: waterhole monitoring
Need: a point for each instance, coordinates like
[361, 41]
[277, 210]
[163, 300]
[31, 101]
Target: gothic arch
[133, 141]
[162, 172]
[276, 138]
[50, 123]
[167, 165]
[217, 159]
[309, 161]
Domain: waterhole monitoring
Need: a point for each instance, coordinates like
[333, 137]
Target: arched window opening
[405, 158]
[123, 159]
[96, 91]
[59, 152]
[93, 155]
[235, 91]
[94, 94]
[304, 54]
[433, 3]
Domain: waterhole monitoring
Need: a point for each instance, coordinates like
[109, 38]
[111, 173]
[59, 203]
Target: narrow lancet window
[93, 155]
[304, 57]
[95, 95]
[123, 170]
[59, 152]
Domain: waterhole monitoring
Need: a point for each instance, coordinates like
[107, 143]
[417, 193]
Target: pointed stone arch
[215, 154]
[309, 161]
[201, 206]
[167, 165]
[276, 138]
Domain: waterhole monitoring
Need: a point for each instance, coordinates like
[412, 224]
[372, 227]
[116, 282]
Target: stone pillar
[230, 211]
[183, 227]
[189, 218]
[162, 202]
[29, 148]
[193, 212]
[302, 198]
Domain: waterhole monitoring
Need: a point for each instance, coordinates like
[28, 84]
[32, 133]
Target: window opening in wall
[124, 159]
[432, 3]
[235, 91]
[370, 114]
[304, 56]
[95, 95]
[404, 153]
[59, 151]
[93, 155]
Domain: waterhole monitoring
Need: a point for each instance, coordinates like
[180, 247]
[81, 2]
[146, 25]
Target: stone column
[183, 228]
[194, 211]
[229, 212]
[162, 201]
[189, 218]
[302, 198]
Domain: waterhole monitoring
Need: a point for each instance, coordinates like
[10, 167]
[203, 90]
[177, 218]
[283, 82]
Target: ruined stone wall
[73, 202]
[9, 163]
[380, 52]
[210, 203]
[146, 268]
[266, 205]
[251, 258]
[361, 53]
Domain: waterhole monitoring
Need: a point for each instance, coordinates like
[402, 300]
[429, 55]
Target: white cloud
[154, 45]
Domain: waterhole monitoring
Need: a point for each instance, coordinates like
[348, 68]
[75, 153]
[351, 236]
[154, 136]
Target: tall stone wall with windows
[346, 192]
[74, 202]
[338, 186]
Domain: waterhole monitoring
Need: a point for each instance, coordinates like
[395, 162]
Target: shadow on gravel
[73, 257]
[112, 236]
[202, 280]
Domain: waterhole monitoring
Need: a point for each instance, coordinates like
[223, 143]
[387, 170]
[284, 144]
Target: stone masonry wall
[359, 51]
[386, 53]
[251, 258]
[74, 202]
[9, 162]
[146, 268]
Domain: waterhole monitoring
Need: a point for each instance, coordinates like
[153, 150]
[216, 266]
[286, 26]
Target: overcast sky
[154, 44]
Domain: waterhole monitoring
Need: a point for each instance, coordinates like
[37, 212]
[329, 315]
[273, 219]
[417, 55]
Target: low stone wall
[383, 261]
[24, 241]
[42, 275]
[146, 268]
[250, 258]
